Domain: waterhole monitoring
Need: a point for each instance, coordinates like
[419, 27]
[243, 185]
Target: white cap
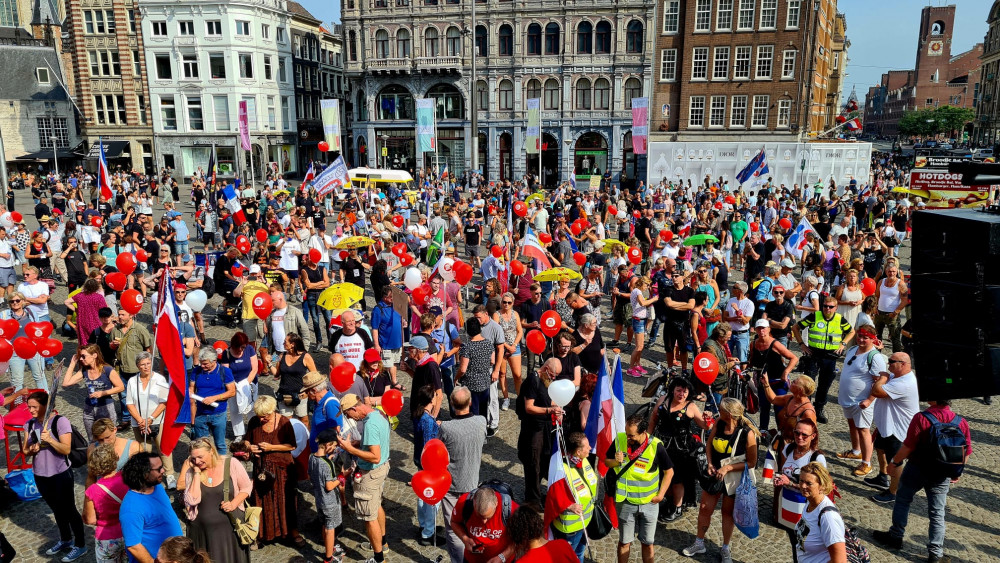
[762, 323]
[255, 269]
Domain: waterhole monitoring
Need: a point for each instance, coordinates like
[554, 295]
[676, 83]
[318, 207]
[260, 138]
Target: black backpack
[506, 495]
[78, 447]
[946, 446]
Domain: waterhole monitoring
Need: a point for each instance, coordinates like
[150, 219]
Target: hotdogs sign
[944, 190]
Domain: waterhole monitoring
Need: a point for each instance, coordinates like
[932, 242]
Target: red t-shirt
[555, 551]
[920, 426]
[491, 533]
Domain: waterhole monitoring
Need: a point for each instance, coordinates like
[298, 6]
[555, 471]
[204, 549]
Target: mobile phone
[478, 548]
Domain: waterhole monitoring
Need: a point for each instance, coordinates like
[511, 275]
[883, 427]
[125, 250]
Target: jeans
[883, 321]
[654, 330]
[448, 383]
[480, 402]
[214, 426]
[911, 481]
[126, 416]
[779, 389]
[576, 540]
[37, 371]
[181, 247]
[493, 407]
[58, 493]
[827, 370]
[426, 518]
[311, 310]
[739, 345]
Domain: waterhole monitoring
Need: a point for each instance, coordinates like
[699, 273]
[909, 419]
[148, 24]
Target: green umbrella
[699, 240]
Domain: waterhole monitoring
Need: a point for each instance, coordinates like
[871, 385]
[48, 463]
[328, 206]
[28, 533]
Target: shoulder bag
[733, 478]
[246, 519]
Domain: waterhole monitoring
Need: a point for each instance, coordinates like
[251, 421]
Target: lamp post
[55, 154]
[572, 172]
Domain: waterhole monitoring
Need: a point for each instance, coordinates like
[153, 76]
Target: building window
[246, 65]
[280, 34]
[699, 63]
[553, 94]
[482, 96]
[506, 44]
[836, 60]
[696, 111]
[220, 107]
[533, 42]
[482, 41]
[159, 28]
[602, 94]
[668, 65]
[272, 114]
[403, 43]
[168, 113]
[746, 14]
[768, 14]
[251, 102]
[381, 44]
[49, 127]
[286, 117]
[189, 65]
[760, 108]
[102, 63]
[185, 27]
[765, 56]
[741, 66]
[720, 68]
[784, 113]
[265, 31]
[671, 16]
[352, 46]
[213, 27]
[703, 15]
[585, 38]
[602, 38]
[110, 109]
[243, 28]
[633, 90]
[788, 63]
[163, 71]
[196, 119]
[282, 70]
[724, 16]
[267, 67]
[132, 27]
[297, 46]
[453, 38]
[738, 113]
[431, 42]
[792, 16]
[217, 65]
[298, 78]
[533, 89]
[634, 37]
[552, 39]
[583, 94]
[136, 64]
[717, 112]
[506, 100]
[142, 109]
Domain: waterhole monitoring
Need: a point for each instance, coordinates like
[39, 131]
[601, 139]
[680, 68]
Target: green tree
[952, 119]
[919, 122]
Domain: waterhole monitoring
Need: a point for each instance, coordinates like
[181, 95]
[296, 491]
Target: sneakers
[849, 454]
[886, 539]
[74, 554]
[490, 432]
[636, 371]
[725, 555]
[879, 481]
[674, 514]
[505, 405]
[863, 469]
[171, 482]
[694, 549]
[820, 417]
[59, 546]
[885, 497]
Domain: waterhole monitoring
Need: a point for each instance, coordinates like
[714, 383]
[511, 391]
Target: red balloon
[580, 258]
[406, 260]
[24, 348]
[493, 209]
[665, 234]
[576, 228]
[132, 301]
[261, 235]
[496, 251]
[38, 330]
[634, 255]
[718, 205]
[435, 456]
[237, 270]
[535, 341]
[95, 221]
[520, 209]
[754, 227]
[868, 287]
[518, 268]
[126, 263]
[343, 255]
[392, 402]
[785, 223]
[612, 210]
[730, 199]
[116, 281]
[323, 146]
[706, 367]
[421, 293]
[141, 255]
[551, 323]
[262, 304]
[399, 249]
[243, 244]
[315, 255]
[431, 486]
[8, 328]
[49, 347]
[220, 346]
[17, 217]
[6, 350]
[463, 272]
[342, 377]
[397, 221]
[544, 238]
[637, 214]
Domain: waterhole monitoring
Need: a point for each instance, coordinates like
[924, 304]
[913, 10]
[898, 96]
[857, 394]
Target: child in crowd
[325, 488]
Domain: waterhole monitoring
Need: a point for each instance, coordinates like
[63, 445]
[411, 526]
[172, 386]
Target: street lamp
[385, 150]
[571, 170]
[55, 154]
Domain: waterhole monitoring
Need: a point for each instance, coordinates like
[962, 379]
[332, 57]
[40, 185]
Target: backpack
[77, 456]
[947, 446]
[856, 551]
[753, 296]
[506, 495]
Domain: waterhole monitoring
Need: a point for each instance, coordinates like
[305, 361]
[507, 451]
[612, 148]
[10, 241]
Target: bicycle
[656, 387]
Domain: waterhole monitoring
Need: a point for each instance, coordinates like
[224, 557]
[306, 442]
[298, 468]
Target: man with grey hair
[212, 385]
[738, 313]
[786, 279]
[349, 341]
[483, 529]
[282, 321]
[463, 436]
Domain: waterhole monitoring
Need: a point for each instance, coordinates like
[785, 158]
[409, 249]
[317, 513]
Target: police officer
[829, 335]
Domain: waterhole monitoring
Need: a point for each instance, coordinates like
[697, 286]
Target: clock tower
[934, 54]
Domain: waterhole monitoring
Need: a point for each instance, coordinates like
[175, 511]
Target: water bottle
[90, 391]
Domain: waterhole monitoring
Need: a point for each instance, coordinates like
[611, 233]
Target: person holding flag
[569, 504]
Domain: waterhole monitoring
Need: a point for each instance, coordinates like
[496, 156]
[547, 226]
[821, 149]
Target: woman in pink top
[86, 304]
[101, 503]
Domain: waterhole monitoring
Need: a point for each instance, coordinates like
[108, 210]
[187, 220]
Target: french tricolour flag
[171, 349]
[103, 176]
[310, 174]
[233, 203]
[854, 124]
[796, 241]
[533, 249]
[559, 497]
[791, 506]
[606, 423]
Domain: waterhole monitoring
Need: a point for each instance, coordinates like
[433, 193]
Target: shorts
[332, 516]
[368, 493]
[862, 418]
[292, 274]
[638, 325]
[637, 518]
[8, 277]
[621, 314]
[675, 333]
[392, 358]
[208, 238]
[516, 352]
[472, 250]
[300, 410]
[888, 444]
[334, 266]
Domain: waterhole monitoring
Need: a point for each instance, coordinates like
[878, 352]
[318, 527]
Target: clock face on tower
[935, 48]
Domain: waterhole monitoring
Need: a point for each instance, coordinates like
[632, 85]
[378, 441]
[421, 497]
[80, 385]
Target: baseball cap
[348, 402]
[762, 323]
[436, 311]
[187, 258]
[255, 269]
[787, 263]
[372, 356]
[418, 342]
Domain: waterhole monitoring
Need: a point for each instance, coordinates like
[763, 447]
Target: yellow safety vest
[825, 334]
[585, 488]
[642, 481]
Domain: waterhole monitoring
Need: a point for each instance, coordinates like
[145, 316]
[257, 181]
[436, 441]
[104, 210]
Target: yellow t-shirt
[251, 289]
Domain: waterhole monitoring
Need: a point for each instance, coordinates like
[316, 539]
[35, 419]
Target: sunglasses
[508, 302]
[897, 362]
[15, 301]
[779, 292]
[798, 434]
[829, 306]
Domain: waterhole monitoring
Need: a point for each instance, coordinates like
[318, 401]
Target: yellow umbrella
[554, 274]
[905, 190]
[340, 296]
[354, 242]
[280, 192]
[610, 244]
[534, 196]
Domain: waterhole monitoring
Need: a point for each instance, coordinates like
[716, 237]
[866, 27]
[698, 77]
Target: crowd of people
[705, 265]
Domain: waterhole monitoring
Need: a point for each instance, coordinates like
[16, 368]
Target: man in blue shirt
[214, 384]
[327, 413]
[145, 514]
[387, 331]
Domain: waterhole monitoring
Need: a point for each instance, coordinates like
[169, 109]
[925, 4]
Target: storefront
[549, 160]
[195, 158]
[590, 156]
[451, 152]
[401, 148]
[506, 157]
[282, 159]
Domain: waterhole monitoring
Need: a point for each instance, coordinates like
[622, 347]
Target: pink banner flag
[244, 125]
[640, 124]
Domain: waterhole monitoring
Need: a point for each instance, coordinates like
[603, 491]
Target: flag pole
[561, 438]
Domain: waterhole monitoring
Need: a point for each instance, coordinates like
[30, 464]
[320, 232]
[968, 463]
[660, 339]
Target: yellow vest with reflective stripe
[569, 522]
[825, 334]
[641, 482]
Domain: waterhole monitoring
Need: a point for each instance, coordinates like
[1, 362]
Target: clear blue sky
[326, 10]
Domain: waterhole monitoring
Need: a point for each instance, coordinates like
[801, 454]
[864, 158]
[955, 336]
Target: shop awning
[112, 149]
[48, 155]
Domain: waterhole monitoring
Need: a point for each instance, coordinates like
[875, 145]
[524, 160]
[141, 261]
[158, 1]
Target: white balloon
[6, 220]
[621, 213]
[446, 270]
[412, 279]
[561, 392]
[196, 300]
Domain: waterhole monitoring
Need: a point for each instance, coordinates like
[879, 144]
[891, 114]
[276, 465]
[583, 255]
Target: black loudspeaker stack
[955, 303]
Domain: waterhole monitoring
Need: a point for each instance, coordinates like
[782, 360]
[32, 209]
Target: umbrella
[699, 240]
[354, 242]
[610, 244]
[904, 190]
[534, 196]
[553, 274]
[280, 192]
[340, 296]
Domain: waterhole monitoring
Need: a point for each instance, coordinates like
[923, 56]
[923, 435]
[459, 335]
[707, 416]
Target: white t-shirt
[745, 307]
[147, 399]
[792, 466]
[856, 378]
[278, 329]
[813, 538]
[421, 231]
[5, 248]
[319, 243]
[289, 261]
[893, 415]
[36, 289]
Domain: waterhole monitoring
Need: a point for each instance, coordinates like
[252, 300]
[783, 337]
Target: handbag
[745, 509]
[600, 523]
[245, 520]
[22, 482]
[733, 479]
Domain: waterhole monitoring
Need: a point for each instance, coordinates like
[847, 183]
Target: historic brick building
[986, 129]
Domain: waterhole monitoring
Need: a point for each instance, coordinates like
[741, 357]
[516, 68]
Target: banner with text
[330, 111]
[425, 125]
[244, 126]
[640, 124]
[943, 190]
[333, 177]
[534, 131]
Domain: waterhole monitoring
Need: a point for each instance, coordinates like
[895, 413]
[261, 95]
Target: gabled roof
[20, 82]
[299, 10]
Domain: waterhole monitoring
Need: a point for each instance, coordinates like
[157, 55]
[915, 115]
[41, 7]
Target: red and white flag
[533, 249]
[104, 176]
[559, 497]
[171, 350]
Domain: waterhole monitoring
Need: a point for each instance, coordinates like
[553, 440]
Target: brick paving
[973, 504]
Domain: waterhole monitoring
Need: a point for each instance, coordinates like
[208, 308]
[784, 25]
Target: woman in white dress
[849, 298]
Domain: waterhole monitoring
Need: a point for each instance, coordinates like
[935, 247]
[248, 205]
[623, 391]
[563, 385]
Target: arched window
[506, 100]
[552, 39]
[482, 96]
[534, 45]
[454, 39]
[552, 94]
[482, 41]
[583, 94]
[394, 102]
[449, 102]
[431, 42]
[602, 38]
[352, 45]
[602, 94]
[585, 38]
[382, 44]
[633, 89]
[633, 37]
[403, 43]
[506, 41]
[533, 89]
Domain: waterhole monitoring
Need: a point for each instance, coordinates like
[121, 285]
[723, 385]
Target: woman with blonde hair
[640, 312]
[510, 322]
[102, 381]
[101, 503]
[850, 297]
[202, 480]
[819, 534]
